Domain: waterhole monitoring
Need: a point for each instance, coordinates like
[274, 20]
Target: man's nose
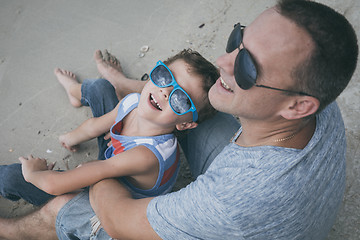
[227, 61]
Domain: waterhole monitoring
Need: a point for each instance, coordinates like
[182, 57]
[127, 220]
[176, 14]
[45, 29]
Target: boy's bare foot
[71, 85]
[109, 67]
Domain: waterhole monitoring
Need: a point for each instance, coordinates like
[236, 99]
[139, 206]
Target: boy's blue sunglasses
[179, 101]
[244, 68]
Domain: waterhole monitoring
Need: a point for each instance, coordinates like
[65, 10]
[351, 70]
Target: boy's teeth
[225, 85]
[157, 104]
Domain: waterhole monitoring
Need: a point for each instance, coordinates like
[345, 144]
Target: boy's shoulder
[131, 98]
[130, 101]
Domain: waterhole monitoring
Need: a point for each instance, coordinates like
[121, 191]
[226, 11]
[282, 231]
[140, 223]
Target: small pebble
[144, 49]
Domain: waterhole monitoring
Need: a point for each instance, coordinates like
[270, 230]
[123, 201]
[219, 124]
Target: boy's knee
[100, 95]
[102, 85]
[95, 90]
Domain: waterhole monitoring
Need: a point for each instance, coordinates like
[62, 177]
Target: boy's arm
[89, 129]
[134, 162]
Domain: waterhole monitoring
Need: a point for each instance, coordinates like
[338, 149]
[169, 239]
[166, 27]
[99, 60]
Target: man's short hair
[331, 64]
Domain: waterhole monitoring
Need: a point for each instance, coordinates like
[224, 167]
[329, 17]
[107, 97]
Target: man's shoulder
[330, 128]
[330, 113]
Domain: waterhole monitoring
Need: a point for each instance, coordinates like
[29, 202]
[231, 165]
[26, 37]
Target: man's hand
[119, 214]
[31, 165]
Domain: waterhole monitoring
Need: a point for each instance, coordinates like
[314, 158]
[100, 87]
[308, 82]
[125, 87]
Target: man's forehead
[269, 24]
[272, 36]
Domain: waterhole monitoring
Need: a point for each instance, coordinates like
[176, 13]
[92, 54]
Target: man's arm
[121, 216]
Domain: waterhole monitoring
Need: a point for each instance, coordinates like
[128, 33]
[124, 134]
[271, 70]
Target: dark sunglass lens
[235, 39]
[179, 101]
[161, 76]
[245, 70]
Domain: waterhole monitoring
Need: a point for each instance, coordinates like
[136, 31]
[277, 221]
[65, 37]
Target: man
[283, 174]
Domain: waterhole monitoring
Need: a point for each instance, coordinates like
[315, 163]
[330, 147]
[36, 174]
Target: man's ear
[186, 125]
[300, 107]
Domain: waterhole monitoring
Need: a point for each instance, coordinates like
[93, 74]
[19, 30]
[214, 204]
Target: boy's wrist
[69, 139]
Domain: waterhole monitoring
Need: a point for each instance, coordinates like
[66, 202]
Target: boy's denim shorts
[101, 97]
[77, 220]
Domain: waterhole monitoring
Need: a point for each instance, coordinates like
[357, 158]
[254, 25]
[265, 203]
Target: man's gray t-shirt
[262, 192]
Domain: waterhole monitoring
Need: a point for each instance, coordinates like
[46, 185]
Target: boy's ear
[186, 125]
[301, 107]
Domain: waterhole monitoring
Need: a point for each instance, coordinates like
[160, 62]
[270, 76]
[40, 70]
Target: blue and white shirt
[165, 147]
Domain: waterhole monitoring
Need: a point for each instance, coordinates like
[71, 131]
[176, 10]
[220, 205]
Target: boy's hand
[31, 165]
[106, 137]
[64, 140]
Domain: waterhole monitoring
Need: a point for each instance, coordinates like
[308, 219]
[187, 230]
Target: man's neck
[290, 134]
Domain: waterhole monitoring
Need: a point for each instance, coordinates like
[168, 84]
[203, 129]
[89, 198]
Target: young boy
[143, 149]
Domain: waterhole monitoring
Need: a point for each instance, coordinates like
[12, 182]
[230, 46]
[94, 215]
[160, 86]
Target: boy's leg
[202, 144]
[72, 87]
[109, 67]
[13, 186]
[100, 96]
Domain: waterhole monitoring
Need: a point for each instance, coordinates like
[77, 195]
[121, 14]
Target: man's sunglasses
[245, 69]
[179, 101]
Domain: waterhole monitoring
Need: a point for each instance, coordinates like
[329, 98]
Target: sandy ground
[37, 36]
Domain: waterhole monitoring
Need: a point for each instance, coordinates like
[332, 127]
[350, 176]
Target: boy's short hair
[204, 69]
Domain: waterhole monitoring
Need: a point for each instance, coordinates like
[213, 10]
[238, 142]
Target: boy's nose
[166, 91]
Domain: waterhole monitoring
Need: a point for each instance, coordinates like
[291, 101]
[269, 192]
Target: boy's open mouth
[154, 102]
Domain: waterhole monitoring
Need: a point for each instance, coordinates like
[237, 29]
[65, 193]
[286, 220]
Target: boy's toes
[107, 56]
[57, 70]
[98, 56]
